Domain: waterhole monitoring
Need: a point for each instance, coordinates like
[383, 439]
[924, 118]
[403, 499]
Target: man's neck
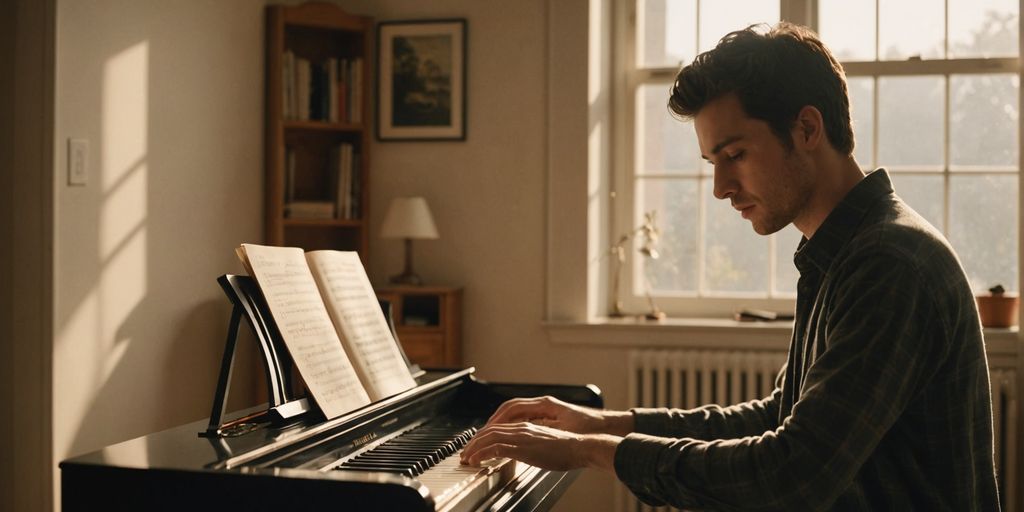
[837, 176]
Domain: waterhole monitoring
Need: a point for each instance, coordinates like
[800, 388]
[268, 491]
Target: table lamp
[408, 218]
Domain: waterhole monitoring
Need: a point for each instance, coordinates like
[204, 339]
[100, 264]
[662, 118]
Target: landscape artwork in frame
[421, 90]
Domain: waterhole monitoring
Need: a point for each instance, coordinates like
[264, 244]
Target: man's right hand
[552, 412]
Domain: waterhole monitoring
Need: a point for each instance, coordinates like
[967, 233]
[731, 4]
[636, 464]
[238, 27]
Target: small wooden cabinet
[428, 321]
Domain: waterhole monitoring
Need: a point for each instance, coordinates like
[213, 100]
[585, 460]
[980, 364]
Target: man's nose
[725, 185]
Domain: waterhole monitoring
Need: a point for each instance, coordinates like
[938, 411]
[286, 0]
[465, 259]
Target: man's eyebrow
[718, 147]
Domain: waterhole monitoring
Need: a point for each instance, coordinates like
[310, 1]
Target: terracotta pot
[998, 310]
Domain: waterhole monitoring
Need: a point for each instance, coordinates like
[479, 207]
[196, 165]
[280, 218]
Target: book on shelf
[330, 90]
[345, 179]
[309, 210]
[331, 323]
[289, 175]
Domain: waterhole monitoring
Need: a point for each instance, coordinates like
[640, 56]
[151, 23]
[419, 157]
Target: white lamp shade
[408, 217]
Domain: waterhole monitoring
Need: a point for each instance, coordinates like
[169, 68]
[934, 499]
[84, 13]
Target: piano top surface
[182, 448]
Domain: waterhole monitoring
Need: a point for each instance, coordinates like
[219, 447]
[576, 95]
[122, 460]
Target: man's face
[767, 183]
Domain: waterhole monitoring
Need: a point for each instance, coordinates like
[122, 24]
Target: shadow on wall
[139, 328]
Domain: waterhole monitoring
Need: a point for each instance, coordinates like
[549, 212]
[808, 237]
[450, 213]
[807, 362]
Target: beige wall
[527, 128]
[169, 95]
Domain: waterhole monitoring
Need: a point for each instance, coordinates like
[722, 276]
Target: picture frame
[421, 80]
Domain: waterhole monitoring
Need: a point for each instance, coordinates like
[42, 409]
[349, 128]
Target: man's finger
[490, 435]
[491, 452]
[517, 409]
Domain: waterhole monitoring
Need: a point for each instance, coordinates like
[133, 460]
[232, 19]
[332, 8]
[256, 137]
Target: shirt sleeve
[882, 341]
[711, 421]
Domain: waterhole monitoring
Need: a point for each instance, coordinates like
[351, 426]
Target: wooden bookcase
[303, 151]
[428, 322]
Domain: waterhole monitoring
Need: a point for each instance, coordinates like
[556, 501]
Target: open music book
[331, 322]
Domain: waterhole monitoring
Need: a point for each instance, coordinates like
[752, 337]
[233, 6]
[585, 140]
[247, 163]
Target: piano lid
[181, 447]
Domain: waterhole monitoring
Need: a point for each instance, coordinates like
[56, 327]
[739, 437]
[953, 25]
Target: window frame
[625, 209]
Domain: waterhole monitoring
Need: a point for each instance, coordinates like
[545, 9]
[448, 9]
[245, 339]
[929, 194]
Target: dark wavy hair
[775, 72]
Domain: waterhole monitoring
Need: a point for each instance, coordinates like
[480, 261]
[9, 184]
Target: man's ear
[809, 128]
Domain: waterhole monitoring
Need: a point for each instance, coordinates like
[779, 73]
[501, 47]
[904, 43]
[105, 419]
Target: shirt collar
[841, 223]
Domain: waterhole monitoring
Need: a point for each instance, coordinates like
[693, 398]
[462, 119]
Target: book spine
[302, 78]
[285, 79]
[332, 82]
[357, 187]
[337, 157]
[357, 88]
[289, 175]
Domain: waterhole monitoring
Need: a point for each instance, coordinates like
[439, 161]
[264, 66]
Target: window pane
[735, 257]
[983, 120]
[910, 28]
[786, 273]
[923, 192]
[719, 17]
[848, 28]
[983, 28]
[910, 117]
[862, 113]
[666, 144]
[675, 201]
[666, 32]
[983, 218]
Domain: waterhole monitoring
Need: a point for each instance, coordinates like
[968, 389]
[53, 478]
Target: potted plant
[998, 308]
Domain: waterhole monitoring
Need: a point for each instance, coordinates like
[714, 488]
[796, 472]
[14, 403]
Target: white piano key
[458, 488]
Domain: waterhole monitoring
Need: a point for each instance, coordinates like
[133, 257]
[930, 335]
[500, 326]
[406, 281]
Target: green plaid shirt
[884, 403]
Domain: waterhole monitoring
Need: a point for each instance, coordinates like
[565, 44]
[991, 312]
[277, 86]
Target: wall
[169, 96]
[527, 127]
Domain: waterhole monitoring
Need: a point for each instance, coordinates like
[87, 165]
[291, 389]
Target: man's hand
[541, 446]
[552, 412]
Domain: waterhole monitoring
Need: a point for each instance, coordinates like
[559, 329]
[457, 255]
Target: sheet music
[298, 310]
[360, 322]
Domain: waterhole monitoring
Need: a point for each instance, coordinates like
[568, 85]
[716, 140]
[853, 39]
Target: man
[884, 402]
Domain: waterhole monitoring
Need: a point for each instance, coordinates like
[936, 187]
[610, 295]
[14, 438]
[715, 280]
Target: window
[935, 101]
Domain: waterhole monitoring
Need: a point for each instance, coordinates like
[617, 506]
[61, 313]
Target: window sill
[712, 333]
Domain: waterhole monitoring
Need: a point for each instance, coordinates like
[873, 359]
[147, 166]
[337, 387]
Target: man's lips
[744, 209]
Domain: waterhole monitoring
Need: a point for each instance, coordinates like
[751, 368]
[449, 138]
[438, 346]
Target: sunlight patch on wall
[122, 288]
[123, 212]
[124, 113]
[597, 41]
[77, 375]
[121, 230]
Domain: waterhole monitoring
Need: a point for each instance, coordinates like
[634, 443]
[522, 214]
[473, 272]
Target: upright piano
[400, 453]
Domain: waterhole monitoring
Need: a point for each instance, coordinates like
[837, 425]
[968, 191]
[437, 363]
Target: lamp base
[406, 278]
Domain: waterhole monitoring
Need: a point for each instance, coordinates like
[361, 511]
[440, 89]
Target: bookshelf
[317, 131]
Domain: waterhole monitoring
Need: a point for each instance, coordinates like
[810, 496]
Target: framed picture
[421, 80]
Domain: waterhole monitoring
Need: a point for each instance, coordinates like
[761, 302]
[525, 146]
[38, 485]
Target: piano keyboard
[430, 454]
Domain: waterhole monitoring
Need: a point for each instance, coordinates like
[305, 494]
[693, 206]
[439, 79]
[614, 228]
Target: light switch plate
[78, 162]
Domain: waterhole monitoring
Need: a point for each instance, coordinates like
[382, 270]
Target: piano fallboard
[268, 467]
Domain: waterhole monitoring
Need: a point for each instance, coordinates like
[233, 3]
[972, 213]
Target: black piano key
[382, 464]
[416, 466]
[432, 456]
[415, 450]
[427, 458]
[380, 468]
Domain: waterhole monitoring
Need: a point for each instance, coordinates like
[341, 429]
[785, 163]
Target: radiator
[1004, 420]
[690, 378]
